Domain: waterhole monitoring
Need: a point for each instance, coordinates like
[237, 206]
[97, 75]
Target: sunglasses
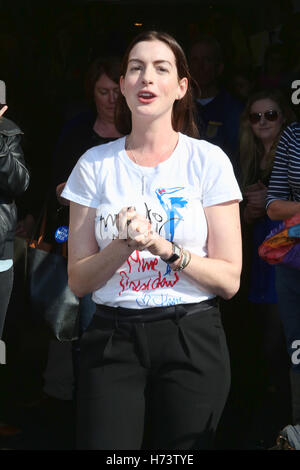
[271, 115]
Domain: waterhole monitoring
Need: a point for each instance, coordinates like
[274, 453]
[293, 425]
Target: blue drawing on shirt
[161, 300]
[171, 205]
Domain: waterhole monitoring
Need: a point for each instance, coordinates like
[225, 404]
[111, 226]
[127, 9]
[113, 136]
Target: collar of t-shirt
[205, 101]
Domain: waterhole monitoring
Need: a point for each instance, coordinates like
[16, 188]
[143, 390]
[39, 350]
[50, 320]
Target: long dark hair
[183, 109]
[108, 65]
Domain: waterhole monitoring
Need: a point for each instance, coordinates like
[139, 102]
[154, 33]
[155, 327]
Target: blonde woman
[265, 116]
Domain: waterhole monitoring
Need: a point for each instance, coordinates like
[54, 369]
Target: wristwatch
[176, 254]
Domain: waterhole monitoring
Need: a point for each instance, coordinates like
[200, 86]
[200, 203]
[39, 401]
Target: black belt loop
[177, 317]
[116, 319]
[180, 311]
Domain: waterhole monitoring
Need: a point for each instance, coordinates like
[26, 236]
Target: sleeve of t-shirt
[81, 186]
[219, 182]
[279, 185]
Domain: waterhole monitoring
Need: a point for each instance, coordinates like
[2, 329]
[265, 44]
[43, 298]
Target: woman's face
[151, 83]
[106, 92]
[265, 129]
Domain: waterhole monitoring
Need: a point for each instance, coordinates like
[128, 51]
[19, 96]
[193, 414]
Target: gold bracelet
[184, 260]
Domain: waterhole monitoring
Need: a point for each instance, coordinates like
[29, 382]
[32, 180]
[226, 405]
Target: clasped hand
[137, 231]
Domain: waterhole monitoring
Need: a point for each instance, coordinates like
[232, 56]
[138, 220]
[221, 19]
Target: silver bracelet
[185, 259]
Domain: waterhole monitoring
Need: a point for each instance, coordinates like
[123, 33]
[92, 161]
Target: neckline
[150, 169]
[109, 139]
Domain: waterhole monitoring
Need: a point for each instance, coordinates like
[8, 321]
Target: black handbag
[48, 295]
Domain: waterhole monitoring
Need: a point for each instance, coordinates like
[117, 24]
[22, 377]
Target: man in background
[218, 113]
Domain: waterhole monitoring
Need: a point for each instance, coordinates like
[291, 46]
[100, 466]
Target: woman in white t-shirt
[155, 235]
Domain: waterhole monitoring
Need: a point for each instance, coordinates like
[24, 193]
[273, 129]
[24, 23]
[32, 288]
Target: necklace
[129, 149]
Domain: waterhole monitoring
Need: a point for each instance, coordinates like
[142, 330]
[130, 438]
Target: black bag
[46, 288]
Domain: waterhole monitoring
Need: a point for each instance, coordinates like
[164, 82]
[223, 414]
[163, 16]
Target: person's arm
[278, 205]
[14, 176]
[281, 210]
[219, 273]
[59, 189]
[88, 268]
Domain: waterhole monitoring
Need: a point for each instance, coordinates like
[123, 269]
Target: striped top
[285, 179]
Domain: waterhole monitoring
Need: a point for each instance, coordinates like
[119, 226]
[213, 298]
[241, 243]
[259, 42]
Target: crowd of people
[196, 174]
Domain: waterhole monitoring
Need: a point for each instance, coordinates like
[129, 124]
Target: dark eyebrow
[155, 62]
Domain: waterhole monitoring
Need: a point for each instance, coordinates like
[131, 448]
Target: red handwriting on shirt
[150, 284]
[143, 265]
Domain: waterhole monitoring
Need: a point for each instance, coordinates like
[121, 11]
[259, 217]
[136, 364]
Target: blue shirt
[221, 122]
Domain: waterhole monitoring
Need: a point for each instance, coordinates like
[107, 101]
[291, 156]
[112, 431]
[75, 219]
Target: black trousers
[6, 283]
[159, 384]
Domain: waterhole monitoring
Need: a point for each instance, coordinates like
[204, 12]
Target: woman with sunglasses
[265, 116]
[283, 202]
[155, 234]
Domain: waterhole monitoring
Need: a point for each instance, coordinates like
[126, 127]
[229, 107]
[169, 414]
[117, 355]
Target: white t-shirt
[5, 264]
[172, 195]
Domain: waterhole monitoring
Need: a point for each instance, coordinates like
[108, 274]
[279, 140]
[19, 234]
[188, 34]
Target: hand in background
[256, 201]
[59, 189]
[251, 213]
[25, 227]
[2, 110]
[256, 194]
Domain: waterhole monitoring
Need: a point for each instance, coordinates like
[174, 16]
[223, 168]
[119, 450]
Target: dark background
[45, 49]
[47, 46]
